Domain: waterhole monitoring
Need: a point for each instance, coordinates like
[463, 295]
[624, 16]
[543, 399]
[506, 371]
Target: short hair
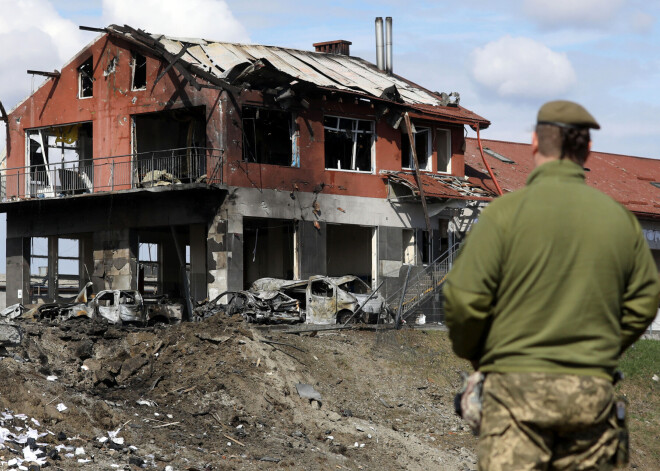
[565, 143]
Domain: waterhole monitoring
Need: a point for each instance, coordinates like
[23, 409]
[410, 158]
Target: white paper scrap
[51, 378]
[61, 407]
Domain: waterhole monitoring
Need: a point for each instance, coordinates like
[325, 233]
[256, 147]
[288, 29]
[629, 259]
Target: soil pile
[220, 394]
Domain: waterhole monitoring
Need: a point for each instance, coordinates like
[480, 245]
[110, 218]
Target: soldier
[553, 284]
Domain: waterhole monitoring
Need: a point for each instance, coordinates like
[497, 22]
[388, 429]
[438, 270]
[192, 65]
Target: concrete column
[18, 270]
[224, 250]
[198, 262]
[310, 250]
[53, 268]
[115, 259]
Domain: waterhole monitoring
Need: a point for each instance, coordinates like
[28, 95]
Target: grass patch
[642, 360]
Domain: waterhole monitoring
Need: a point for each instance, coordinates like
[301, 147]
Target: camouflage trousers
[539, 421]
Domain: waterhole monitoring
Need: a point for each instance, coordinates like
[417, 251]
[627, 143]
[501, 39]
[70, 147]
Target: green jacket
[554, 278]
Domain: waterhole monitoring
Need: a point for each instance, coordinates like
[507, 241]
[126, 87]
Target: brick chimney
[339, 46]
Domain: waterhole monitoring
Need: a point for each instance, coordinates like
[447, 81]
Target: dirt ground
[222, 395]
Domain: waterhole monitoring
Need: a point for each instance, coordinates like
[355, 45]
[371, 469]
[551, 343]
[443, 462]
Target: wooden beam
[92, 29]
[418, 178]
[54, 73]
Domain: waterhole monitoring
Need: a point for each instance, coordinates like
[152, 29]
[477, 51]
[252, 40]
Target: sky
[505, 58]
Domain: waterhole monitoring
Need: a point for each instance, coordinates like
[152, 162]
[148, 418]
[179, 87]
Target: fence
[122, 172]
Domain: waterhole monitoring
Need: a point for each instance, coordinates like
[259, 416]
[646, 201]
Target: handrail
[119, 172]
[446, 257]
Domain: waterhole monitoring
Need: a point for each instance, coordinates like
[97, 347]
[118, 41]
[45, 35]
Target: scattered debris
[306, 391]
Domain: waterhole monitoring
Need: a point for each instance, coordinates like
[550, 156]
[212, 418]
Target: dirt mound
[220, 394]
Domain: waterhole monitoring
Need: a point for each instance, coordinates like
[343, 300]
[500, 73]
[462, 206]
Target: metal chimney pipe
[380, 53]
[388, 44]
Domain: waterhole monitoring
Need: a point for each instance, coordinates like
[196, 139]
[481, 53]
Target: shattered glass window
[422, 137]
[139, 66]
[348, 144]
[86, 79]
[268, 136]
[322, 288]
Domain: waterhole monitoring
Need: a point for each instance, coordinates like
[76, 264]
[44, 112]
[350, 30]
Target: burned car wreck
[264, 307]
[327, 300]
[319, 300]
[115, 306]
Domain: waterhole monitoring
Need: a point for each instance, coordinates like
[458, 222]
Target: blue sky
[505, 58]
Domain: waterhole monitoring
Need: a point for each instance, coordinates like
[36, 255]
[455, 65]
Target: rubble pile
[222, 394]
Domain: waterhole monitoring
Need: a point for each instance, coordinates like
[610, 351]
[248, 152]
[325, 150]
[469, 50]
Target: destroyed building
[229, 163]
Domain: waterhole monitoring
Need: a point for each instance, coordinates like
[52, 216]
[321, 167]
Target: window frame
[355, 130]
[446, 132]
[429, 147]
[134, 57]
[294, 135]
[84, 75]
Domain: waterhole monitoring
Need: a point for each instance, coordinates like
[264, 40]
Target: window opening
[68, 268]
[60, 159]
[139, 66]
[425, 249]
[348, 144]
[86, 79]
[322, 288]
[38, 269]
[408, 246]
[422, 137]
[443, 137]
[149, 261]
[268, 136]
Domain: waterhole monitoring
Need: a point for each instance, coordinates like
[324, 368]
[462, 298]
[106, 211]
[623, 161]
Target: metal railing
[418, 288]
[119, 172]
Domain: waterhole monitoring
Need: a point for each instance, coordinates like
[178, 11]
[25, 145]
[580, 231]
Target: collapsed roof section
[437, 186]
[291, 72]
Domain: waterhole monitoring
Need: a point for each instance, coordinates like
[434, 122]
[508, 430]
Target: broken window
[150, 275]
[170, 146]
[139, 68]
[443, 137]
[60, 159]
[322, 288]
[268, 136]
[348, 144]
[422, 137]
[86, 79]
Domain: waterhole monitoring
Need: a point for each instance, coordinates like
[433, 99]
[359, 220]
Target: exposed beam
[54, 73]
[92, 29]
[411, 138]
[3, 114]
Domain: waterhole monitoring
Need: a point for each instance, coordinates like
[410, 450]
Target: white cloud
[522, 67]
[572, 12]
[208, 19]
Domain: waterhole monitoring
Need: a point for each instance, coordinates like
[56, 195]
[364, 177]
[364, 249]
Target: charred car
[330, 300]
[265, 307]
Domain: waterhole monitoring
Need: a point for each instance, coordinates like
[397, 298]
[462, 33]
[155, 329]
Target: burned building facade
[188, 167]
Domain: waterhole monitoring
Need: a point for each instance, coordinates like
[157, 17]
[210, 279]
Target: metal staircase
[419, 288]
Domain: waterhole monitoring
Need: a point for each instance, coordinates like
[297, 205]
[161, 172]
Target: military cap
[566, 114]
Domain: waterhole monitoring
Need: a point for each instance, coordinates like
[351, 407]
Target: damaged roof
[439, 186]
[629, 180]
[236, 64]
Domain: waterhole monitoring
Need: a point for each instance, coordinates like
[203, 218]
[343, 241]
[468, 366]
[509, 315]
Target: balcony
[107, 174]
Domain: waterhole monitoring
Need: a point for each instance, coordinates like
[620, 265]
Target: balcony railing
[120, 172]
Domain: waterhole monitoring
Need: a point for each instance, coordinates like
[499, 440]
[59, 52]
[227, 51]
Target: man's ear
[535, 143]
[588, 154]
